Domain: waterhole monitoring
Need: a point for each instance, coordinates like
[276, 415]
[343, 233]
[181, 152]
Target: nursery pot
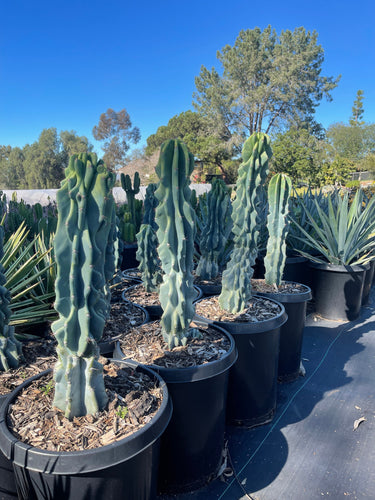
[252, 387]
[192, 445]
[367, 283]
[129, 259]
[8, 490]
[126, 469]
[337, 290]
[291, 332]
[297, 270]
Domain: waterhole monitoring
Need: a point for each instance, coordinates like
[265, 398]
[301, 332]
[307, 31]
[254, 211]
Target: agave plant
[344, 235]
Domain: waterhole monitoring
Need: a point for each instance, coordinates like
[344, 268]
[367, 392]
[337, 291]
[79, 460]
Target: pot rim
[289, 298]
[76, 462]
[339, 268]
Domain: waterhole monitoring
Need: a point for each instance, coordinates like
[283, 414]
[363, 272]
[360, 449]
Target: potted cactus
[292, 295]
[253, 321]
[191, 448]
[84, 260]
[214, 235]
[130, 220]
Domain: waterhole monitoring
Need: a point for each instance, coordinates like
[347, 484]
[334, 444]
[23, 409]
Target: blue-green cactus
[150, 205]
[279, 190]
[10, 348]
[85, 218]
[252, 173]
[147, 256]
[175, 220]
[215, 231]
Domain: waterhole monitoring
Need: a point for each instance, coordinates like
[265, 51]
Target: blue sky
[62, 64]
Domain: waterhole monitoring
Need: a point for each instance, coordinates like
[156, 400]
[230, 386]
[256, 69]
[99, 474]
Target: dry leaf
[357, 407]
[358, 422]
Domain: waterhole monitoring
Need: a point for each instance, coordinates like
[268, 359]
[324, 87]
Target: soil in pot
[294, 297]
[133, 274]
[197, 379]
[112, 454]
[123, 316]
[149, 300]
[252, 388]
[39, 355]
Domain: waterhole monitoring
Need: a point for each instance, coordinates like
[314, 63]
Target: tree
[266, 81]
[299, 154]
[115, 128]
[207, 143]
[357, 110]
[353, 142]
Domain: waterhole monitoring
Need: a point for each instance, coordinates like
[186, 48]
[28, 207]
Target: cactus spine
[279, 190]
[215, 232]
[252, 173]
[85, 217]
[10, 348]
[175, 219]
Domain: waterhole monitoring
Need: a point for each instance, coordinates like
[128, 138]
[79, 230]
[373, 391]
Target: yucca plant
[29, 273]
[344, 235]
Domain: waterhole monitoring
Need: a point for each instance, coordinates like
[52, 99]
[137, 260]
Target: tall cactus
[175, 218]
[10, 348]
[252, 173]
[216, 230]
[279, 190]
[85, 217]
[147, 255]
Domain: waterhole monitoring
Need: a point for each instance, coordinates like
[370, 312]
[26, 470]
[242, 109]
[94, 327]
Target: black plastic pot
[192, 445]
[129, 259]
[297, 270]
[252, 388]
[155, 311]
[126, 469]
[8, 490]
[209, 289]
[131, 275]
[337, 290]
[291, 332]
[367, 283]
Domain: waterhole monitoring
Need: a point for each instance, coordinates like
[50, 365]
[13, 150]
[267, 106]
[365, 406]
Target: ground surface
[318, 445]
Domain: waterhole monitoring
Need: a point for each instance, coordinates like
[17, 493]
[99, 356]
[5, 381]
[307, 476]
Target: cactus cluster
[279, 189]
[10, 348]
[252, 174]
[215, 231]
[84, 231]
[175, 219]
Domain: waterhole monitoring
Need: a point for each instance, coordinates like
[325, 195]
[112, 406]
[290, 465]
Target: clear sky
[63, 63]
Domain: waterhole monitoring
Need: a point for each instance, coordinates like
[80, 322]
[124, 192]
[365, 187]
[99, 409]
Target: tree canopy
[40, 165]
[117, 132]
[265, 81]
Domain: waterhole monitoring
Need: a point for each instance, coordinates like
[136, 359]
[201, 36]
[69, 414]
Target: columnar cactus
[175, 220]
[216, 230]
[252, 173]
[85, 217]
[279, 190]
[10, 348]
[147, 255]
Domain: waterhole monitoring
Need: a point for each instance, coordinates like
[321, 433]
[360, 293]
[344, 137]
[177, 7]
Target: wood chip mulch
[259, 309]
[259, 285]
[138, 295]
[120, 286]
[39, 355]
[213, 282]
[146, 345]
[133, 400]
[133, 273]
[123, 316]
